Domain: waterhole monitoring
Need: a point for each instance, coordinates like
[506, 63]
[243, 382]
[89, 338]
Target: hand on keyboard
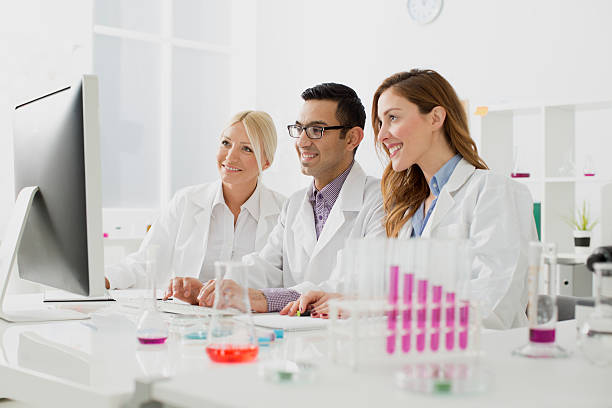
[185, 289]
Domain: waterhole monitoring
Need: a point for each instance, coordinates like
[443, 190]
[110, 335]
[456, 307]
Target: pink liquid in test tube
[392, 319]
[152, 340]
[463, 323]
[450, 321]
[407, 314]
[436, 314]
[421, 313]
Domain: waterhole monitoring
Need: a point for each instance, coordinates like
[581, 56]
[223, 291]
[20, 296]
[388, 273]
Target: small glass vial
[517, 172]
[589, 168]
[152, 327]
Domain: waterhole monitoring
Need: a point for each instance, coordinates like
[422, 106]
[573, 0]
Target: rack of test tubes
[411, 302]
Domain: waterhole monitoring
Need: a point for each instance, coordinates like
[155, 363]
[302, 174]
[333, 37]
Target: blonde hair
[261, 132]
[404, 191]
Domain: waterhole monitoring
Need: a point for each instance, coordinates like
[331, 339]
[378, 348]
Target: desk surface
[95, 363]
[568, 382]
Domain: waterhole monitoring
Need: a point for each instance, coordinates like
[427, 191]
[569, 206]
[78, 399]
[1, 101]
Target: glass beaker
[152, 328]
[542, 308]
[589, 167]
[231, 336]
[596, 333]
[517, 171]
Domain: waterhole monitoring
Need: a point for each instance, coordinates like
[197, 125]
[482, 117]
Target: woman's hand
[185, 289]
[315, 301]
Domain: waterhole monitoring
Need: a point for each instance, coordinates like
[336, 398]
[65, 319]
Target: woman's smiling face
[406, 133]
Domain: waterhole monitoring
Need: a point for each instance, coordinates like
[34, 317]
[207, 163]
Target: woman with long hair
[436, 185]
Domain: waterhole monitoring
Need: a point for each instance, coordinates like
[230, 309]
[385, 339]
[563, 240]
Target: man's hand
[315, 301]
[185, 289]
[231, 296]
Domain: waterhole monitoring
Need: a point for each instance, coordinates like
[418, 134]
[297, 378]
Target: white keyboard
[170, 306]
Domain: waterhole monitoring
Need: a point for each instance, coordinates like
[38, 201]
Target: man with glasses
[342, 202]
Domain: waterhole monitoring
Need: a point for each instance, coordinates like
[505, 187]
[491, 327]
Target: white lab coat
[181, 234]
[495, 213]
[294, 258]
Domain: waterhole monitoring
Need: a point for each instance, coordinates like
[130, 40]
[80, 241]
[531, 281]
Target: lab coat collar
[349, 200]
[445, 202]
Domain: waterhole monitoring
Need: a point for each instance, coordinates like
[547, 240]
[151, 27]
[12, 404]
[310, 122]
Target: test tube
[421, 271]
[439, 253]
[464, 273]
[407, 293]
[450, 283]
[392, 318]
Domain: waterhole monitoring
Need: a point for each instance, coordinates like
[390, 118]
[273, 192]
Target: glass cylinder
[542, 307]
[231, 336]
[596, 334]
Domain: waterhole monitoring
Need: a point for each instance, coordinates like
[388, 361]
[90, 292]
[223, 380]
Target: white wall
[43, 45]
[491, 51]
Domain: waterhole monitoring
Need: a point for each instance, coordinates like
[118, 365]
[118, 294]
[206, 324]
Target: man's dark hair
[350, 111]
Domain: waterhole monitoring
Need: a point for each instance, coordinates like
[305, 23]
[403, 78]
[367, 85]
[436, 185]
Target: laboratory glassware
[595, 338]
[152, 328]
[589, 167]
[542, 308]
[517, 171]
[231, 336]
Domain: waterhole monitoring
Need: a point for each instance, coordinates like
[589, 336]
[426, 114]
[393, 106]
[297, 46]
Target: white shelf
[554, 138]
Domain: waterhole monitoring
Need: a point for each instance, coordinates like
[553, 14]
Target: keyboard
[169, 306]
[175, 307]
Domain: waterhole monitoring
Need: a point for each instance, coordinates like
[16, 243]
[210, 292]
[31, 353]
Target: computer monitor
[56, 226]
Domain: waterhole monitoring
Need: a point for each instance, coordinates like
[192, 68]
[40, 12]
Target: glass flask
[152, 328]
[542, 308]
[595, 339]
[231, 336]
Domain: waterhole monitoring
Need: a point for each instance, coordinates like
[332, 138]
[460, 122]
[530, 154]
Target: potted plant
[583, 226]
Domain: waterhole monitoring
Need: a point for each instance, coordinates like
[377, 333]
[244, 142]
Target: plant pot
[582, 242]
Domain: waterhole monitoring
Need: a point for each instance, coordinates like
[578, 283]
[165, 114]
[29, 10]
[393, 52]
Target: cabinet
[556, 144]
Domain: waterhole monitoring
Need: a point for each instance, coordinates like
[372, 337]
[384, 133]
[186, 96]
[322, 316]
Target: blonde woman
[222, 220]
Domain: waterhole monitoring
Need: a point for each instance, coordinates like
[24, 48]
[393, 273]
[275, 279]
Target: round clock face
[424, 11]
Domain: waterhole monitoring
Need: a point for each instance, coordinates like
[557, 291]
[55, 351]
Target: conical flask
[231, 336]
[152, 327]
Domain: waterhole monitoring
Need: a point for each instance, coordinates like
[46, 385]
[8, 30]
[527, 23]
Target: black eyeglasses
[313, 132]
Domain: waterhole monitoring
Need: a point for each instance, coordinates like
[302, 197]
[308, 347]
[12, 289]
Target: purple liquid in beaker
[152, 340]
[542, 335]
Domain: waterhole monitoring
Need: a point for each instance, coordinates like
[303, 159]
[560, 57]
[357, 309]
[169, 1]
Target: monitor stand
[8, 252]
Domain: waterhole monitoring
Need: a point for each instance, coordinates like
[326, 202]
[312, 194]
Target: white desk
[516, 381]
[74, 364]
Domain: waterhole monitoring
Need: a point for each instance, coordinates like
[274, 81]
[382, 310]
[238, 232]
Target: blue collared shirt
[436, 184]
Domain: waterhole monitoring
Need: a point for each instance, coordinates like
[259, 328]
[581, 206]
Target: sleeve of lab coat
[131, 271]
[500, 232]
[266, 266]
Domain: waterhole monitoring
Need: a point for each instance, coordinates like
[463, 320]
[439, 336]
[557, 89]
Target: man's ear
[438, 114]
[353, 137]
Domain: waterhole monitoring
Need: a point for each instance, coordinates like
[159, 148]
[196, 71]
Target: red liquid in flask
[152, 340]
[223, 353]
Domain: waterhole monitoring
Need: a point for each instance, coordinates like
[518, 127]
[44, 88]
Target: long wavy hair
[404, 191]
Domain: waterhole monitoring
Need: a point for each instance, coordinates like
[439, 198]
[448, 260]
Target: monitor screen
[57, 148]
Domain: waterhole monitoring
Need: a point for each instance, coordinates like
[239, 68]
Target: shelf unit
[555, 143]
